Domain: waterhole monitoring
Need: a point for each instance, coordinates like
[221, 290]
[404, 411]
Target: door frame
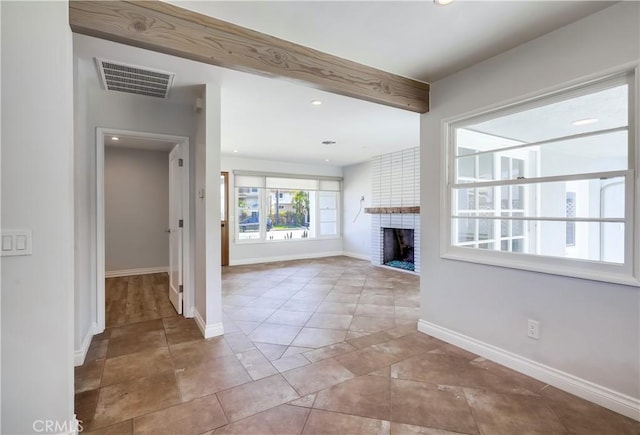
[188, 293]
[225, 240]
[176, 166]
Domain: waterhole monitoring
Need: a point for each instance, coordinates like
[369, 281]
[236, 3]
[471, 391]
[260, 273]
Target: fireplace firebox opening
[397, 248]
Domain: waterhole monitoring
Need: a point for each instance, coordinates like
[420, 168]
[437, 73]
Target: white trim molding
[208, 331]
[132, 272]
[603, 396]
[79, 355]
[356, 255]
[100, 275]
[76, 426]
[188, 312]
[308, 256]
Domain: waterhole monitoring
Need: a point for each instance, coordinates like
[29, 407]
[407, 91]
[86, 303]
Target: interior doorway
[171, 275]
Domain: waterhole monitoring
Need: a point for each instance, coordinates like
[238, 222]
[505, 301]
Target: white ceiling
[415, 39]
[273, 119]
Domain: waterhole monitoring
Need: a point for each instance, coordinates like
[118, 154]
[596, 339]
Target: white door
[175, 228]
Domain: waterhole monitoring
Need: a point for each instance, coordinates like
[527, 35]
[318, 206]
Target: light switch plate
[7, 243]
[16, 242]
[21, 242]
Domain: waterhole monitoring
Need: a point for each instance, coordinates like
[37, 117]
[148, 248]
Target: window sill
[583, 269]
[262, 242]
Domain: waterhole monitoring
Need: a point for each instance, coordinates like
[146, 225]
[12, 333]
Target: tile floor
[327, 346]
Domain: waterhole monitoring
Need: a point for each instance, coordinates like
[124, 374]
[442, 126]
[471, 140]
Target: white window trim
[338, 217]
[275, 242]
[626, 274]
[263, 208]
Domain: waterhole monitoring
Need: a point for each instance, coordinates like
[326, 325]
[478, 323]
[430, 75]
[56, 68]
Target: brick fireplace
[395, 210]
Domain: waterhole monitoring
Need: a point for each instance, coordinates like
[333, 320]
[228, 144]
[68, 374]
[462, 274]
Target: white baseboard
[80, 354]
[613, 400]
[187, 312]
[131, 272]
[306, 256]
[356, 255]
[208, 331]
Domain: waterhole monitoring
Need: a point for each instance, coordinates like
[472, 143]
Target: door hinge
[180, 162]
[180, 223]
[180, 288]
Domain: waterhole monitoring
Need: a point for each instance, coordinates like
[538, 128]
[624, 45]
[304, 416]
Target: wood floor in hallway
[132, 299]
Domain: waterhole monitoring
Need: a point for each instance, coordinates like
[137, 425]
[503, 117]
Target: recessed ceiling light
[115, 138]
[328, 142]
[585, 121]
[235, 151]
[327, 160]
[443, 2]
[316, 102]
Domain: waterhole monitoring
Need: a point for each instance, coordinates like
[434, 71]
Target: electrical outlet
[533, 329]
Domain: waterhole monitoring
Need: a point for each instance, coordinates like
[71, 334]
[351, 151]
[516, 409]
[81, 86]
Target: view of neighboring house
[279, 208]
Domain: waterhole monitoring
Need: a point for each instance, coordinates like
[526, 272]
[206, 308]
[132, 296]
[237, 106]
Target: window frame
[319, 215]
[263, 192]
[626, 273]
[260, 209]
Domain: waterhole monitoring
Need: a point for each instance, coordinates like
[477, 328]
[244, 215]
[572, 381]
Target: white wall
[85, 270]
[208, 280]
[37, 194]
[136, 198]
[356, 234]
[247, 252]
[97, 108]
[588, 329]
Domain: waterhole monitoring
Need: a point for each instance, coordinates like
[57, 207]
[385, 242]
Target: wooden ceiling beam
[169, 29]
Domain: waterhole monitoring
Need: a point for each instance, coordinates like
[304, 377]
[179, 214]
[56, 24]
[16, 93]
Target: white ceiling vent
[134, 79]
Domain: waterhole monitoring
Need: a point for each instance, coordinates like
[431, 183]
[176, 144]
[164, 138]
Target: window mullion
[540, 180]
[550, 141]
[264, 207]
[546, 218]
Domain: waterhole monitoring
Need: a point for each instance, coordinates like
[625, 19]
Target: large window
[547, 184]
[286, 208]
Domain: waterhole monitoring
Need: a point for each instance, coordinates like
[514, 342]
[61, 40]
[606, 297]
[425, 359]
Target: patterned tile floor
[324, 346]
